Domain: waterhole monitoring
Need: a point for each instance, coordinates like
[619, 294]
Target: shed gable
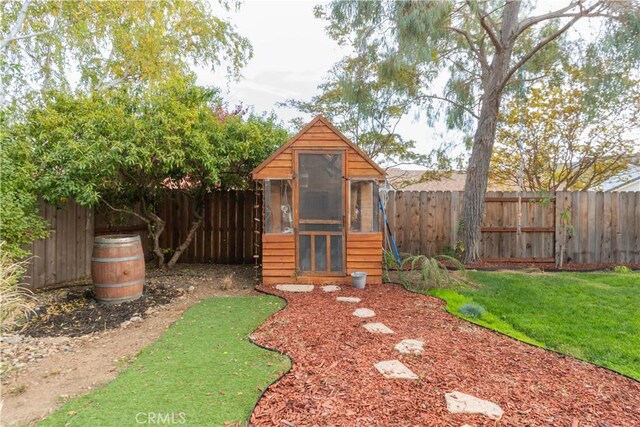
[319, 134]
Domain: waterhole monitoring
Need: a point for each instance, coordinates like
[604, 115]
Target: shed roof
[304, 130]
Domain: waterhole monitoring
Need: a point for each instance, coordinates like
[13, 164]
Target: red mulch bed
[545, 266]
[333, 381]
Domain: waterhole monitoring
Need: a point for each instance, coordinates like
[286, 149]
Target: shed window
[278, 203]
[363, 209]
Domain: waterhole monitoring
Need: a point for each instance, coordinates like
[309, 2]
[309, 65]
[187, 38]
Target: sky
[292, 56]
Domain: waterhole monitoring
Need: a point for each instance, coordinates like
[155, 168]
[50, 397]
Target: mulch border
[446, 305]
[268, 291]
[250, 338]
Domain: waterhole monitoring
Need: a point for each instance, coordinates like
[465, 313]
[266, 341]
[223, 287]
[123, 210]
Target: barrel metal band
[116, 245]
[114, 239]
[127, 258]
[121, 299]
[118, 285]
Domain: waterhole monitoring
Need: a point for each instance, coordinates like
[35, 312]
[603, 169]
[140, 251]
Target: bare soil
[98, 341]
[545, 266]
[333, 380]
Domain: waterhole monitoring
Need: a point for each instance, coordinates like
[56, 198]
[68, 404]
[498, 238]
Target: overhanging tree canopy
[43, 42]
[130, 145]
[480, 46]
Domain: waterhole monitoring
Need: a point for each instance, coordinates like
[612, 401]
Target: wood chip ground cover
[333, 380]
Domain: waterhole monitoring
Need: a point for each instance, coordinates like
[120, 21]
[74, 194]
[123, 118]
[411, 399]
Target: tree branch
[529, 22]
[457, 104]
[28, 36]
[480, 55]
[543, 43]
[17, 26]
[483, 16]
[125, 211]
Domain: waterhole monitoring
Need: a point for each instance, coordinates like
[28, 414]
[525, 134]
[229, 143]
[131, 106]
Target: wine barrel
[117, 268]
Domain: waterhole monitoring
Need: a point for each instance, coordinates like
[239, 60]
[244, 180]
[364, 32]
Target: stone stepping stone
[295, 288]
[394, 369]
[331, 288]
[410, 347]
[461, 403]
[348, 299]
[378, 328]
[364, 312]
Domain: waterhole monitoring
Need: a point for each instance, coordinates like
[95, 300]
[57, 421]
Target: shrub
[421, 273]
[621, 269]
[473, 310]
[14, 300]
[20, 222]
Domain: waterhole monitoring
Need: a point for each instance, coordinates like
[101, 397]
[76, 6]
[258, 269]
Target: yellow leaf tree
[568, 142]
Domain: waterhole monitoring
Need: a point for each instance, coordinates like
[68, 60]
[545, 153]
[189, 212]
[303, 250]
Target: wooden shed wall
[364, 253]
[363, 250]
[318, 136]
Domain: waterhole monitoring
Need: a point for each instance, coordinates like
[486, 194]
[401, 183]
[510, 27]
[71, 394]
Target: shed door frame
[296, 197]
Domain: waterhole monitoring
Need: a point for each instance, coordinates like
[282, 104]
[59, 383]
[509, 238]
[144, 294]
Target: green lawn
[592, 316]
[202, 371]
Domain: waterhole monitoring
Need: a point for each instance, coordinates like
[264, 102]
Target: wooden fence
[597, 228]
[226, 236]
[604, 227]
[66, 254]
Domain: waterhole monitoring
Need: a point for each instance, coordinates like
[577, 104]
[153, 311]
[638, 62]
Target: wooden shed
[321, 216]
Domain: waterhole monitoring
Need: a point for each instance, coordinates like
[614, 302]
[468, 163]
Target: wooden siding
[317, 137]
[278, 258]
[364, 253]
[66, 254]
[281, 167]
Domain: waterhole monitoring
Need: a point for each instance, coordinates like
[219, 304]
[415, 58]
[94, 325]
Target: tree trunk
[156, 228]
[187, 241]
[477, 177]
[478, 171]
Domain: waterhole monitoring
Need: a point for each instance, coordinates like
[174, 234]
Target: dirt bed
[545, 266]
[333, 380]
[42, 371]
[79, 313]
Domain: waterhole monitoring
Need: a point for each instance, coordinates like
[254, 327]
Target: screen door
[320, 230]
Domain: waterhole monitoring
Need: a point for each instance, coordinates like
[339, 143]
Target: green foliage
[472, 309]
[478, 47]
[252, 139]
[14, 300]
[621, 269]
[126, 142]
[420, 273]
[367, 109]
[134, 144]
[409, 45]
[20, 222]
[131, 143]
[203, 367]
[570, 138]
[107, 43]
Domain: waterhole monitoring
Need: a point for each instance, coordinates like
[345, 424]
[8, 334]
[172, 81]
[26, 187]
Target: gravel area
[333, 380]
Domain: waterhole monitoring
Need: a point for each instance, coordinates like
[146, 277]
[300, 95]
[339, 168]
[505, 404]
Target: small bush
[473, 310]
[421, 273]
[14, 300]
[621, 269]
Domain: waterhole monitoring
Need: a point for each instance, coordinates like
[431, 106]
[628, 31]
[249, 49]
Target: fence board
[605, 229]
